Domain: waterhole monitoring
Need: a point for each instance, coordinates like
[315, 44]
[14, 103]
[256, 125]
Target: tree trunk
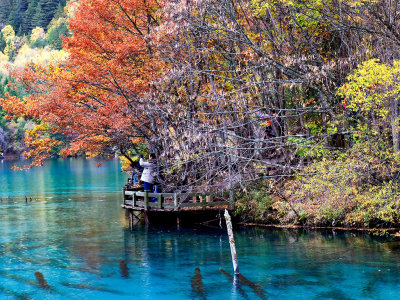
[394, 110]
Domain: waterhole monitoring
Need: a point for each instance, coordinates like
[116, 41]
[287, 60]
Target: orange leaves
[40, 143]
[96, 97]
[137, 141]
[14, 107]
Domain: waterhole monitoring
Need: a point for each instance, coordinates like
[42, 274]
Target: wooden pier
[176, 207]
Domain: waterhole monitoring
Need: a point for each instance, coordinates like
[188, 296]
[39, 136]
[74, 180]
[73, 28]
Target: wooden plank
[220, 203]
[140, 204]
[207, 204]
[168, 195]
[209, 197]
[190, 204]
[142, 194]
[189, 195]
[150, 204]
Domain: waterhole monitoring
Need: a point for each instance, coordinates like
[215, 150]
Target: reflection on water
[74, 243]
[197, 284]
[62, 177]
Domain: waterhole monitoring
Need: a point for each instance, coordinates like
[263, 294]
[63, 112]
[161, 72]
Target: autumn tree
[226, 92]
[238, 61]
[100, 96]
[240, 98]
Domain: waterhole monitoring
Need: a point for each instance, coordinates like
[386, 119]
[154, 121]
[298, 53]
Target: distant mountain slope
[24, 15]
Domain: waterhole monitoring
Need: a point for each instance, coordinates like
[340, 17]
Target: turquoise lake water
[75, 233]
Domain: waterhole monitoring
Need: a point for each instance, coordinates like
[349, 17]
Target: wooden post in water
[146, 217]
[123, 195]
[146, 200]
[130, 219]
[134, 199]
[203, 202]
[146, 205]
[159, 200]
[232, 242]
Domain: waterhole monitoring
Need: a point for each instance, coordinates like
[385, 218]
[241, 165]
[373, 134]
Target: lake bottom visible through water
[72, 241]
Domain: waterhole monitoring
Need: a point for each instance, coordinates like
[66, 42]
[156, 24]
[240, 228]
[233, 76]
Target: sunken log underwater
[180, 208]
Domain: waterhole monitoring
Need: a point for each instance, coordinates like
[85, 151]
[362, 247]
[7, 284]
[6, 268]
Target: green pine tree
[5, 9]
[3, 42]
[44, 12]
[12, 19]
[55, 33]
[20, 7]
[27, 24]
[59, 11]
[24, 15]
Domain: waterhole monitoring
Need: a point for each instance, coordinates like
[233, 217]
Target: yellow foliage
[3, 60]
[372, 86]
[8, 33]
[357, 3]
[126, 163]
[38, 56]
[37, 34]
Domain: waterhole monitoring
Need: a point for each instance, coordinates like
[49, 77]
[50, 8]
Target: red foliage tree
[100, 95]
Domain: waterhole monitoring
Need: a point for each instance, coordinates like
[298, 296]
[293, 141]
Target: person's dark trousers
[147, 187]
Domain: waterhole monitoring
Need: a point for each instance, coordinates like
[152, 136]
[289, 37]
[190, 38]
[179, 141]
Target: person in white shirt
[149, 172]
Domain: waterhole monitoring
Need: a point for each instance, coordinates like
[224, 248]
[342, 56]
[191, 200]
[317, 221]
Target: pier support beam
[130, 219]
[146, 217]
[178, 222]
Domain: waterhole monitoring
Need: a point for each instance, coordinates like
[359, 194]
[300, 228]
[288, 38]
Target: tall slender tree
[45, 11]
[27, 23]
[5, 9]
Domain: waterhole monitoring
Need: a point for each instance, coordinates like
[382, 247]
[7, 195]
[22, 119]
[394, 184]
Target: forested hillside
[30, 32]
[292, 104]
[24, 15]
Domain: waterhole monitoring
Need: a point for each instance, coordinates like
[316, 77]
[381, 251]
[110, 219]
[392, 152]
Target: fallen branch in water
[231, 242]
[239, 278]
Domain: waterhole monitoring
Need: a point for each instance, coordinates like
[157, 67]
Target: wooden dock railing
[138, 200]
